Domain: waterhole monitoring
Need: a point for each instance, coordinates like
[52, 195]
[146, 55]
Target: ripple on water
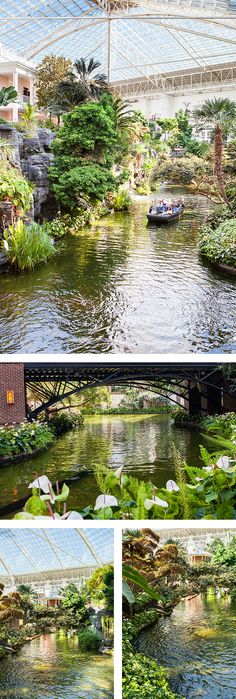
[122, 286]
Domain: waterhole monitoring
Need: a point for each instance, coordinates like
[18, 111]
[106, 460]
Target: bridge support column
[12, 393]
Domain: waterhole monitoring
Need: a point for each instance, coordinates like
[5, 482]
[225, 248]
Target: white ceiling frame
[138, 51]
[68, 29]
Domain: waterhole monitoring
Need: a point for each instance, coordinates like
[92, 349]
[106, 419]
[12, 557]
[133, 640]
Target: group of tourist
[165, 207]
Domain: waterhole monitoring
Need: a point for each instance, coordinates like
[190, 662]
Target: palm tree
[7, 95]
[221, 114]
[83, 83]
[123, 114]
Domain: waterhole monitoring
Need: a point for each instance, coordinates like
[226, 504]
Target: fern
[180, 473]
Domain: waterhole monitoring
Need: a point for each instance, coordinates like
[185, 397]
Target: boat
[165, 217]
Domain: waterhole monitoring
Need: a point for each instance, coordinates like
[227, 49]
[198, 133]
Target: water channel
[51, 667]
[142, 443]
[123, 286]
[197, 645]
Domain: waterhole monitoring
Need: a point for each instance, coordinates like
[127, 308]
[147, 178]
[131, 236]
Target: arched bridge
[203, 388]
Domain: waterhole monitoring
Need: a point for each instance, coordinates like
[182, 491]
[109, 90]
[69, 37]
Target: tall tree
[220, 113]
[50, 72]
[83, 83]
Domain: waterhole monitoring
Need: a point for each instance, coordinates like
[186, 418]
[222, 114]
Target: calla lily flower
[105, 501]
[171, 485]
[72, 515]
[155, 501]
[118, 472]
[43, 483]
[223, 462]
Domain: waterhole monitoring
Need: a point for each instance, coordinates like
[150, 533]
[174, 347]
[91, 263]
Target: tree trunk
[218, 169]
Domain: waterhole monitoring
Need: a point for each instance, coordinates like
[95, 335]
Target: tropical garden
[69, 458]
[102, 148]
[178, 615]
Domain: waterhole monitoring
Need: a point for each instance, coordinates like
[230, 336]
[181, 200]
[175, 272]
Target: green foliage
[142, 677]
[15, 188]
[133, 575]
[122, 201]
[24, 438]
[100, 587]
[50, 72]
[139, 621]
[223, 554]
[84, 153]
[219, 244]
[90, 181]
[63, 422]
[177, 170]
[7, 95]
[89, 639]
[74, 602]
[27, 246]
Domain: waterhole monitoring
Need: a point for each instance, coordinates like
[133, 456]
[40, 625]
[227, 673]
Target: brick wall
[12, 378]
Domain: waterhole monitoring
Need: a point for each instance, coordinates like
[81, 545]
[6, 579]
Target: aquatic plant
[122, 201]
[89, 639]
[27, 246]
[142, 677]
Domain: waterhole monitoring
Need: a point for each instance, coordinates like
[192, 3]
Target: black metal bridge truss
[55, 382]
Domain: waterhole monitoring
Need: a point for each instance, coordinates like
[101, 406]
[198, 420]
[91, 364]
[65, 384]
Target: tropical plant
[29, 120]
[74, 602]
[63, 422]
[10, 606]
[16, 189]
[7, 95]
[27, 246]
[83, 83]
[100, 587]
[122, 201]
[220, 113]
[26, 437]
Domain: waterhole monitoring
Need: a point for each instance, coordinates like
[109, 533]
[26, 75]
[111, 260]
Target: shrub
[27, 246]
[122, 201]
[219, 244]
[89, 181]
[142, 677]
[178, 170]
[89, 639]
[24, 438]
[63, 422]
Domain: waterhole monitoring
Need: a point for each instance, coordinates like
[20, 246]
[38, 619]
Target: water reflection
[142, 444]
[197, 645]
[51, 667]
[122, 286]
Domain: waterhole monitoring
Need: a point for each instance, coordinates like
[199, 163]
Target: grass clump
[89, 639]
[27, 246]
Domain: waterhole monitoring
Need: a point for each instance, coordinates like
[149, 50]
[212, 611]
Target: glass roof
[146, 36]
[26, 551]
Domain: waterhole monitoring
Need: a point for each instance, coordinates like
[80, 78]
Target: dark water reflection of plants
[142, 443]
[122, 286]
[197, 645]
[51, 667]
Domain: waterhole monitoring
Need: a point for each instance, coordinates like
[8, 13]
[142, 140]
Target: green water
[197, 645]
[51, 667]
[142, 443]
[123, 286]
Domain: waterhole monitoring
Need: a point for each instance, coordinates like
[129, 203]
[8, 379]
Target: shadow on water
[197, 646]
[142, 443]
[122, 286]
[51, 667]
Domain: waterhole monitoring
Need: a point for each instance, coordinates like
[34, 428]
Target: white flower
[155, 501]
[105, 501]
[118, 472]
[172, 485]
[72, 515]
[208, 468]
[223, 462]
[43, 483]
